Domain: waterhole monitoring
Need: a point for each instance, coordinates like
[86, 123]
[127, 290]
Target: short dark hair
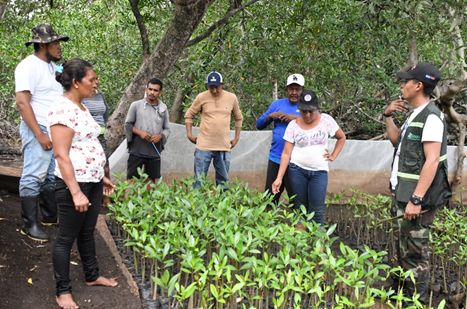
[287, 87]
[427, 89]
[154, 81]
[72, 69]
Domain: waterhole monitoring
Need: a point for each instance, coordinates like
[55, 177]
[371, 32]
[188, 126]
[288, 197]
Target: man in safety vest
[419, 173]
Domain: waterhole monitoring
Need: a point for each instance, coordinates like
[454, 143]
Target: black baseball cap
[308, 101]
[424, 72]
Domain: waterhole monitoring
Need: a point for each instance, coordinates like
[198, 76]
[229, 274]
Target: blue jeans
[221, 162]
[38, 166]
[310, 189]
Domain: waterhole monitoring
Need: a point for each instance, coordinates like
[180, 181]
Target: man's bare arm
[23, 99]
[391, 129]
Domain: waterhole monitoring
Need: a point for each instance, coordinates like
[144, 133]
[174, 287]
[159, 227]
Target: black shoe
[29, 215]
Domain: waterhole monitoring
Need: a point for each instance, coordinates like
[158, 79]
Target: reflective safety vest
[412, 158]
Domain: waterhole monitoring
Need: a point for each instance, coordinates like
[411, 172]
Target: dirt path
[26, 272]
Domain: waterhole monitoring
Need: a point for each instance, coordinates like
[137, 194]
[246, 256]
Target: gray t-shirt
[98, 108]
[150, 119]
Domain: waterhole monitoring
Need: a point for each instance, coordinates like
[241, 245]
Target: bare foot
[103, 281]
[66, 301]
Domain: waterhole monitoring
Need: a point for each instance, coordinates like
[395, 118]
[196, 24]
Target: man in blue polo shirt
[281, 112]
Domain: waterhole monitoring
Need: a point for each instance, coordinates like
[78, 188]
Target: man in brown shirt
[213, 141]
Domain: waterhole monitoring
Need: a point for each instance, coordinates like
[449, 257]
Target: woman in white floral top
[306, 154]
[79, 177]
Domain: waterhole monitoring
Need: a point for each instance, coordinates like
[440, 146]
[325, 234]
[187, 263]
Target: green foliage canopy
[347, 50]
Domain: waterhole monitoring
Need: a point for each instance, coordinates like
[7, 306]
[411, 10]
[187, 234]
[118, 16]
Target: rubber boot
[48, 207]
[29, 215]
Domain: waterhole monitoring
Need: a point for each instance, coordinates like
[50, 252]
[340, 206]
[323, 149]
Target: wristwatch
[387, 115]
[416, 200]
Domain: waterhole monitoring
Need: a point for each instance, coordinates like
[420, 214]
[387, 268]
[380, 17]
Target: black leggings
[273, 169]
[75, 225]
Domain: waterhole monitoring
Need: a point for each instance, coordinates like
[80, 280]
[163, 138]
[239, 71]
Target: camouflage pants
[412, 244]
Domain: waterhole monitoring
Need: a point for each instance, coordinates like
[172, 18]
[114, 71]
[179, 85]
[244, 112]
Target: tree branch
[233, 9]
[376, 138]
[453, 87]
[448, 97]
[413, 55]
[142, 28]
[366, 114]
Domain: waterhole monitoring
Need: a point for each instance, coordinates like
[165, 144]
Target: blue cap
[214, 79]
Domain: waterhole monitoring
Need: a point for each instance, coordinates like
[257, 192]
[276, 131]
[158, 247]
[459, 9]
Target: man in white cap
[213, 141]
[281, 112]
[36, 89]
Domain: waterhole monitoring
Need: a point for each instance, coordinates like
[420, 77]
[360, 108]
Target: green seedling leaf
[166, 250]
[172, 282]
[191, 241]
[214, 291]
[237, 287]
[159, 282]
[232, 253]
[189, 290]
[165, 277]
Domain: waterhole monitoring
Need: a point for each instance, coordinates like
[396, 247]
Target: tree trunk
[176, 112]
[413, 55]
[187, 15]
[275, 92]
[142, 28]
[2, 10]
[449, 90]
[460, 160]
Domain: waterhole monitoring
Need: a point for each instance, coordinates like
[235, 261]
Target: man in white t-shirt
[36, 89]
[419, 173]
